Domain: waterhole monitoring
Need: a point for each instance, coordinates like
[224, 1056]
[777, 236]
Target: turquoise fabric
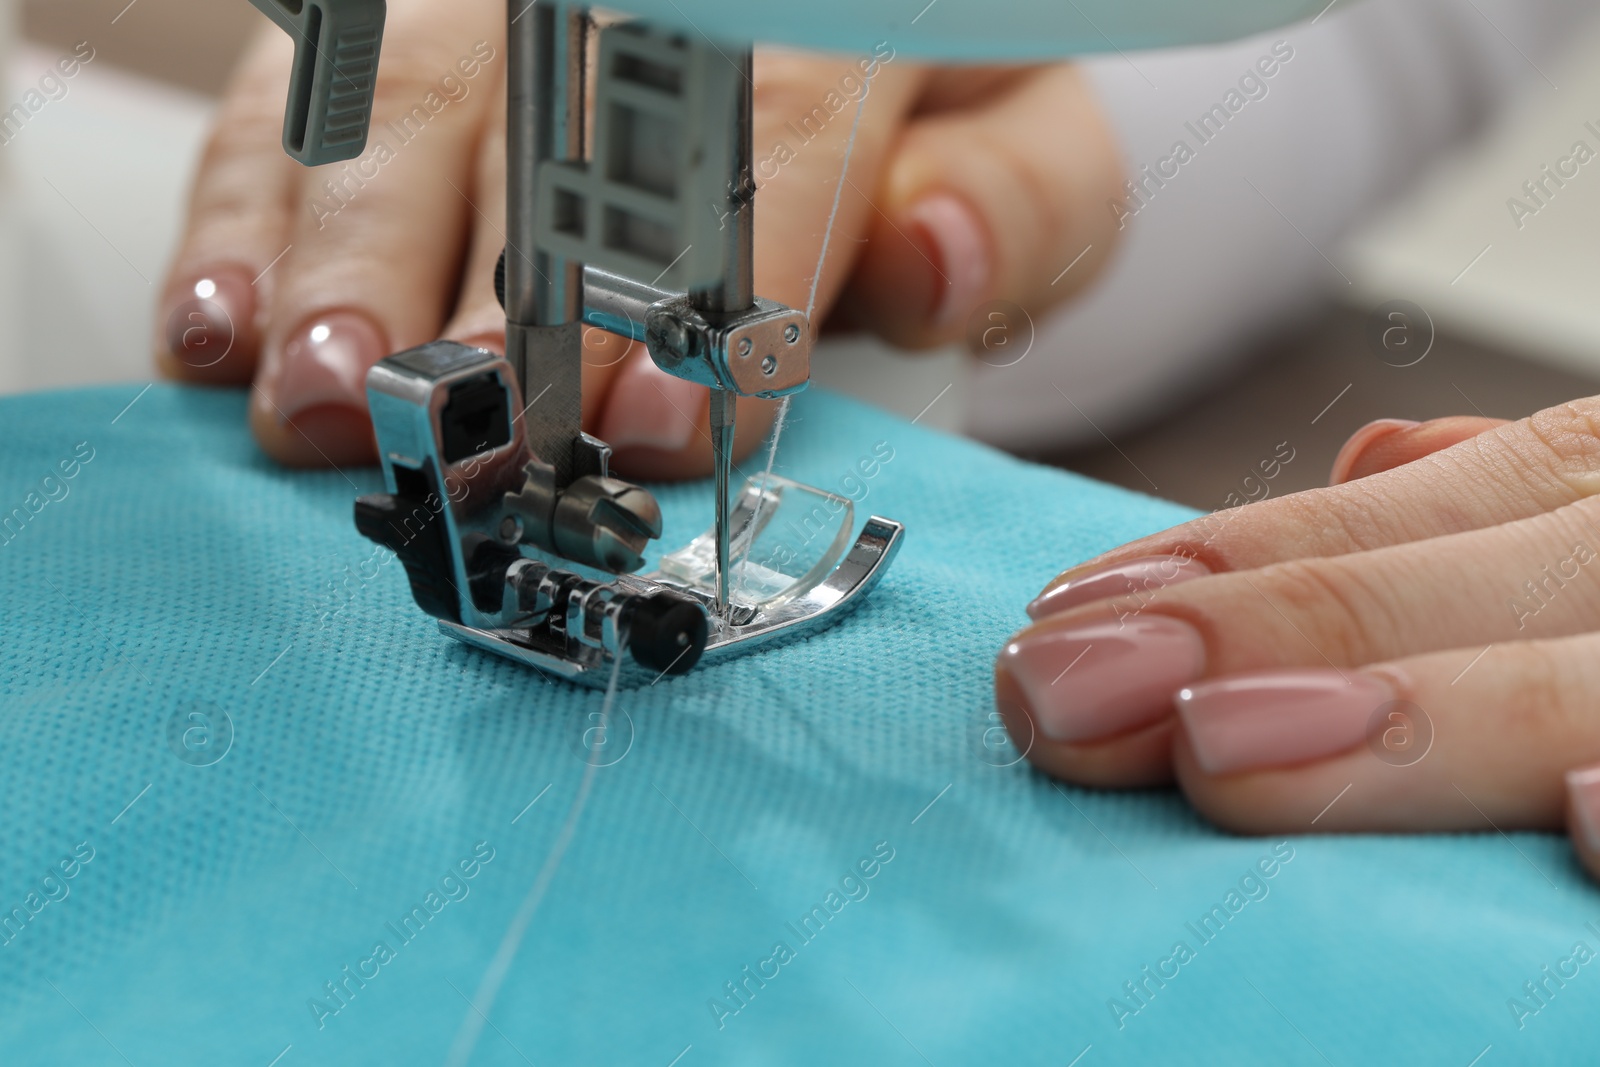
[373, 761]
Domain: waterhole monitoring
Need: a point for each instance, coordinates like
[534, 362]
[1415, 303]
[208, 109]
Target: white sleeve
[1234, 240]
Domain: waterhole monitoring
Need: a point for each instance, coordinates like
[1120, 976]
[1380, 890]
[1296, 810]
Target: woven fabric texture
[816, 854]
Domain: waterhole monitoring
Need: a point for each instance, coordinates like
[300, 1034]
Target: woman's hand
[965, 185]
[1414, 649]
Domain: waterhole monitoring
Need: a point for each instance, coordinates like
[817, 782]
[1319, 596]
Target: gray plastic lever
[335, 67]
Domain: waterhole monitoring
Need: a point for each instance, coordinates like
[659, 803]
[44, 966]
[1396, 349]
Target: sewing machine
[633, 214]
[638, 220]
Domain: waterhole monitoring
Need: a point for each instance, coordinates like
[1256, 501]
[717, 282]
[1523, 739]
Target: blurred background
[95, 182]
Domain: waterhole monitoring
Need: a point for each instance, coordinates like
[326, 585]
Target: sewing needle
[723, 409]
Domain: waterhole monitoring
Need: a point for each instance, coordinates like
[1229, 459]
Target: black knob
[667, 633]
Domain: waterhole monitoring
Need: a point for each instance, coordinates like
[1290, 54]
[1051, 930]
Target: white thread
[494, 975]
[811, 305]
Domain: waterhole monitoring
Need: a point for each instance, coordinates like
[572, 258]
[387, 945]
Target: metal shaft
[620, 305]
[547, 45]
[737, 289]
[735, 293]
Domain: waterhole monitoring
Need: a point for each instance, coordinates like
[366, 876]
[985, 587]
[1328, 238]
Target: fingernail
[1360, 441]
[211, 317]
[1277, 718]
[1146, 574]
[1105, 678]
[1583, 791]
[960, 252]
[324, 364]
[649, 408]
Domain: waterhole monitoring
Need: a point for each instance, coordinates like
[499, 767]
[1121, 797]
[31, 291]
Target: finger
[1376, 447]
[989, 200]
[1092, 674]
[1408, 744]
[798, 178]
[1583, 816]
[1389, 443]
[207, 318]
[795, 95]
[477, 317]
[1524, 468]
[378, 243]
[1137, 759]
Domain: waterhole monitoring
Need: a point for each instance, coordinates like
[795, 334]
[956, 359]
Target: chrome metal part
[763, 350]
[822, 606]
[617, 304]
[546, 120]
[708, 314]
[449, 424]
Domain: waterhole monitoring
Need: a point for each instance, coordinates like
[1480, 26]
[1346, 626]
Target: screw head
[769, 365]
[745, 346]
[791, 333]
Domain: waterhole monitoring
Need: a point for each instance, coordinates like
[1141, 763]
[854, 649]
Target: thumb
[805, 111]
[995, 190]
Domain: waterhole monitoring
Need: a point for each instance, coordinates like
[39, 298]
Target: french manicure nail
[949, 227]
[1278, 718]
[1360, 441]
[1106, 678]
[211, 317]
[1583, 792]
[1148, 574]
[325, 364]
[649, 408]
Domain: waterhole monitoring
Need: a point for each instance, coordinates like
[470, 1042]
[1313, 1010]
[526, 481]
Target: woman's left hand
[1416, 647]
